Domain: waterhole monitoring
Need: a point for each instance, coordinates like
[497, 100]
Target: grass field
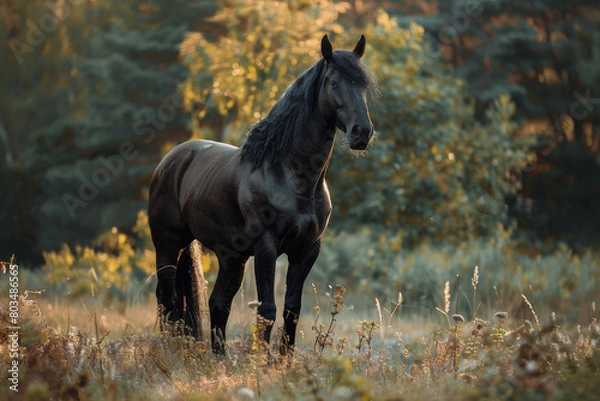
[91, 349]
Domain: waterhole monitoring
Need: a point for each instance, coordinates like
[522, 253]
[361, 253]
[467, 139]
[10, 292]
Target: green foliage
[36, 89]
[435, 171]
[376, 263]
[240, 75]
[543, 56]
[90, 97]
[82, 78]
[127, 84]
[118, 268]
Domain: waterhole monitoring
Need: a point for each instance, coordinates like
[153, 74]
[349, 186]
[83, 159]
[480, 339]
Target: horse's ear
[326, 49]
[359, 50]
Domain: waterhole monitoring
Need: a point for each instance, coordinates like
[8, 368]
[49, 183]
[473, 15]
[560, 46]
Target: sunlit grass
[90, 349]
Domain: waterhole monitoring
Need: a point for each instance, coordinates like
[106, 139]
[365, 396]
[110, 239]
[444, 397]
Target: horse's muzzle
[359, 137]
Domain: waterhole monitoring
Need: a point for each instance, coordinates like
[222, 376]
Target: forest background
[467, 237]
[487, 125]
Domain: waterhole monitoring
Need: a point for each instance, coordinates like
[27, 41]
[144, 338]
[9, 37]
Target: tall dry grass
[91, 350]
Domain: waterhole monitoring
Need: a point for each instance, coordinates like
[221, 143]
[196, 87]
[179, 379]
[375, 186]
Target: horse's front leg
[299, 267]
[265, 257]
[229, 280]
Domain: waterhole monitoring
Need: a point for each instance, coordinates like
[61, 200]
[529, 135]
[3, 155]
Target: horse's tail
[190, 287]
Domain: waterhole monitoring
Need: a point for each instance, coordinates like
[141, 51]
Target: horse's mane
[271, 138]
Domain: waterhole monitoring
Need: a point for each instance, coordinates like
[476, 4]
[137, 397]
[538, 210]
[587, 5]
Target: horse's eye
[332, 83]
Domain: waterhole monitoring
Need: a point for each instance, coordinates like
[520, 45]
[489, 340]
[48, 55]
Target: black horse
[264, 199]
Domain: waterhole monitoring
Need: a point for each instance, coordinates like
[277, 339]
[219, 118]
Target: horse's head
[343, 95]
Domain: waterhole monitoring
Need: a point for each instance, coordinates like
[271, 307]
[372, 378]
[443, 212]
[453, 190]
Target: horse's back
[174, 165]
[184, 165]
[209, 165]
[198, 180]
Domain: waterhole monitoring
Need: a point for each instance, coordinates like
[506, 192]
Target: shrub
[375, 264]
[120, 266]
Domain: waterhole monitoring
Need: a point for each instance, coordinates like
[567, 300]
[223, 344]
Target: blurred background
[487, 146]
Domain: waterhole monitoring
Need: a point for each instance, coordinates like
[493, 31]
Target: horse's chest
[305, 223]
[300, 229]
[295, 218]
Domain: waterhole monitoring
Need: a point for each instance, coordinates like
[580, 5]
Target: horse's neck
[311, 154]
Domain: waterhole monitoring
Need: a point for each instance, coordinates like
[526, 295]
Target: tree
[435, 171]
[130, 73]
[541, 53]
[35, 90]
[236, 78]
[102, 93]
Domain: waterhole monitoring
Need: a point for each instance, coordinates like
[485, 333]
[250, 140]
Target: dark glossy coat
[267, 198]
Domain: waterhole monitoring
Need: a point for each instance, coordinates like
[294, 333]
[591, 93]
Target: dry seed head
[338, 299]
[447, 296]
[594, 328]
[340, 289]
[400, 298]
[537, 320]
[458, 318]
[501, 315]
[475, 279]
[480, 323]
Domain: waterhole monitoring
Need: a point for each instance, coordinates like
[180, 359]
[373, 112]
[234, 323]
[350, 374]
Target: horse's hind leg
[168, 241]
[229, 281]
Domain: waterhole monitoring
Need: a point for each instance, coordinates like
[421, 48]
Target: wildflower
[338, 299]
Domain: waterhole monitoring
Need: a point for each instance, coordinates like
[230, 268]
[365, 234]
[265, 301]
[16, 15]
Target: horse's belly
[218, 225]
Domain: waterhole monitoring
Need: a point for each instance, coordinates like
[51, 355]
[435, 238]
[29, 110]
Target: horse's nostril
[358, 130]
